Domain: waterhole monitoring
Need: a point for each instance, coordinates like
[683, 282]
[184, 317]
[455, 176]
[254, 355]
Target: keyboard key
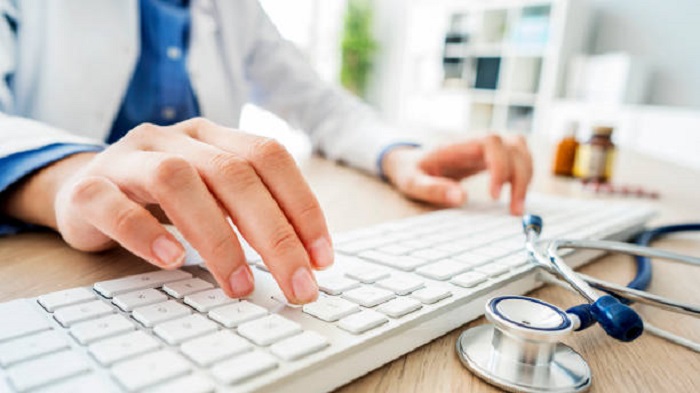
[468, 279]
[150, 369]
[368, 296]
[29, 347]
[330, 309]
[494, 252]
[442, 270]
[405, 263]
[52, 301]
[98, 329]
[195, 383]
[115, 349]
[67, 316]
[471, 259]
[131, 300]
[154, 314]
[335, 285]
[235, 314]
[368, 274]
[176, 331]
[431, 295]
[399, 307]
[83, 383]
[45, 370]
[205, 301]
[301, 345]
[269, 329]
[155, 279]
[20, 318]
[394, 249]
[243, 367]
[357, 246]
[401, 285]
[492, 269]
[514, 261]
[431, 254]
[180, 289]
[212, 348]
[363, 321]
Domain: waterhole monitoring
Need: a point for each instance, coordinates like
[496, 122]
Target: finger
[175, 185]
[104, 206]
[497, 163]
[244, 196]
[436, 190]
[455, 161]
[283, 179]
[519, 182]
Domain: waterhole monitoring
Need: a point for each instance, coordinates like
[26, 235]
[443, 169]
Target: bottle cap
[603, 131]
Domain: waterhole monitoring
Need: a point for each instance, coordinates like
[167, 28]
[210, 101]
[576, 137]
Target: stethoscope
[521, 351]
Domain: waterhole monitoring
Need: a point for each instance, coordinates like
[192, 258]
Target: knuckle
[173, 173]
[284, 241]
[234, 169]
[142, 131]
[221, 246]
[494, 139]
[87, 189]
[125, 220]
[268, 150]
[310, 212]
[198, 122]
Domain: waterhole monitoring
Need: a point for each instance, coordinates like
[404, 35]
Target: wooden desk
[33, 264]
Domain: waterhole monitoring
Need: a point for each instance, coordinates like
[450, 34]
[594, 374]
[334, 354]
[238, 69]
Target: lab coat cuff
[17, 166]
[385, 151]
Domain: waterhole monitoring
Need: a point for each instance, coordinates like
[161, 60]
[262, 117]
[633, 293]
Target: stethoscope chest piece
[521, 351]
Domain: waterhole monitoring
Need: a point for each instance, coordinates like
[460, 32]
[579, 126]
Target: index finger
[285, 182]
[497, 163]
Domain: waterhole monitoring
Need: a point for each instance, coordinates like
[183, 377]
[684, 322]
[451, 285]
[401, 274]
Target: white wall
[664, 33]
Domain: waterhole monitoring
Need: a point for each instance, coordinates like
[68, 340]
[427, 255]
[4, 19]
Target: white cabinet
[467, 66]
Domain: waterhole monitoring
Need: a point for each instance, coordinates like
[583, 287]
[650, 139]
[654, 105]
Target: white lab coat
[70, 62]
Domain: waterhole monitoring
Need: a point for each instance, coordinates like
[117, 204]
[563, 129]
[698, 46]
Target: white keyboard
[394, 287]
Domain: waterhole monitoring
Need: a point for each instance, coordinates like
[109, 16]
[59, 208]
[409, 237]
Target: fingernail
[168, 252]
[454, 196]
[518, 208]
[321, 253]
[304, 286]
[497, 191]
[241, 281]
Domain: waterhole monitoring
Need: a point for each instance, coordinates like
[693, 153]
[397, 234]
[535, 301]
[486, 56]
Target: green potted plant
[358, 46]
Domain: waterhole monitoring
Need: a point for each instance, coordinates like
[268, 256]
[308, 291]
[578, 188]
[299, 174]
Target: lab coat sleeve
[18, 134]
[339, 125]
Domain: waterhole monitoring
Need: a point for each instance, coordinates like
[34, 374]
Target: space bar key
[155, 279]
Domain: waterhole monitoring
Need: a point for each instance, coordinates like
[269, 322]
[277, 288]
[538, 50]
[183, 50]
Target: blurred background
[452, 69]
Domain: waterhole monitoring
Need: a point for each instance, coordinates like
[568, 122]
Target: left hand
[433, 176]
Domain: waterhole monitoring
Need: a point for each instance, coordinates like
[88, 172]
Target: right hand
[200, 174]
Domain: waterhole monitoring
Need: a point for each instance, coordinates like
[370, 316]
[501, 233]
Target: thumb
[433, 189]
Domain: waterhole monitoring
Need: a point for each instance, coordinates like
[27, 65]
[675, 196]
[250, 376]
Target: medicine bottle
[594, 159]
[565, 152]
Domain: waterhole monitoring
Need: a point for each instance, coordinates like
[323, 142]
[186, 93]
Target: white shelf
[505, 60]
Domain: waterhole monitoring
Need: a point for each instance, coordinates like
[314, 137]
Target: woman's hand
[433, 176]
[199, 174]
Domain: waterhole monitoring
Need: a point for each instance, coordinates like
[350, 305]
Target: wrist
[33, 199]
[390, 159]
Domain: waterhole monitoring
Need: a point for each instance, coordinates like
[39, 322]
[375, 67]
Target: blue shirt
[159, 92]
